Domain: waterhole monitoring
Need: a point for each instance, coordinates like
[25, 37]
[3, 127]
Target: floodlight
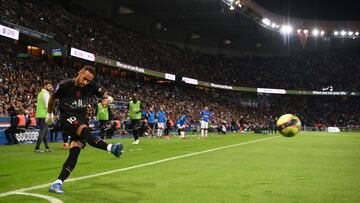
[286, 29]
[315, 32]
[266, 21]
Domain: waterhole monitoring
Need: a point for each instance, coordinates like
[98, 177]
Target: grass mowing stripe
[136, 166]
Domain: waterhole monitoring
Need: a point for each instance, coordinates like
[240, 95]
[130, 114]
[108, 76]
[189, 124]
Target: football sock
[70, 163]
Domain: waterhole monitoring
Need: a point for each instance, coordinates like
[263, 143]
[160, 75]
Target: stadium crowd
[21, 78]
[75, 27]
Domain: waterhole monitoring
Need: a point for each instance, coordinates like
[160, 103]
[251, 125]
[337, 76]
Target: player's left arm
[108, 97]
[100, 92]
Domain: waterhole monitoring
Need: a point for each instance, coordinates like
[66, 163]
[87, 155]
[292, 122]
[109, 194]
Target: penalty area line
[136, 166]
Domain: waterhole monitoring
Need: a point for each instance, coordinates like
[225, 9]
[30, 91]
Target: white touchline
[134, 167]
[49, 198]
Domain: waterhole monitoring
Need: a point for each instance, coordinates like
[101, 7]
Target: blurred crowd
[21, 79]
[74, 27]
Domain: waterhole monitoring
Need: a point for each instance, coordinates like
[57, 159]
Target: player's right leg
[135, 124]
[80, 135]
[206, 126]
[202, 126]
[182, 132]
[152, 130]
[148, 131]
[68, 167]
[160, 129]
[70, 163]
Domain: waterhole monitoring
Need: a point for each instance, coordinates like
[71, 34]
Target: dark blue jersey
[205, 115]
[150, 117]
[182, 121]
[161, 116]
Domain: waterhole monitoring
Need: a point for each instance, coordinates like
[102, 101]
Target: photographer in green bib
[104, 115]
[135, 108]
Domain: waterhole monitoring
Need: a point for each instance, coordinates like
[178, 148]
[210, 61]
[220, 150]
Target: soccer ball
[288, 125]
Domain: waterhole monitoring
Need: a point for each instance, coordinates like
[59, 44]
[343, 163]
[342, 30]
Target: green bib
[102, 113]
[41, 108]
[134, 111]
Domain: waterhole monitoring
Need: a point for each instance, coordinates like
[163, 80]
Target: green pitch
[310, 167]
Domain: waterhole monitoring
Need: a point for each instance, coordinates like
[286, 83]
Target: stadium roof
[210, 23]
